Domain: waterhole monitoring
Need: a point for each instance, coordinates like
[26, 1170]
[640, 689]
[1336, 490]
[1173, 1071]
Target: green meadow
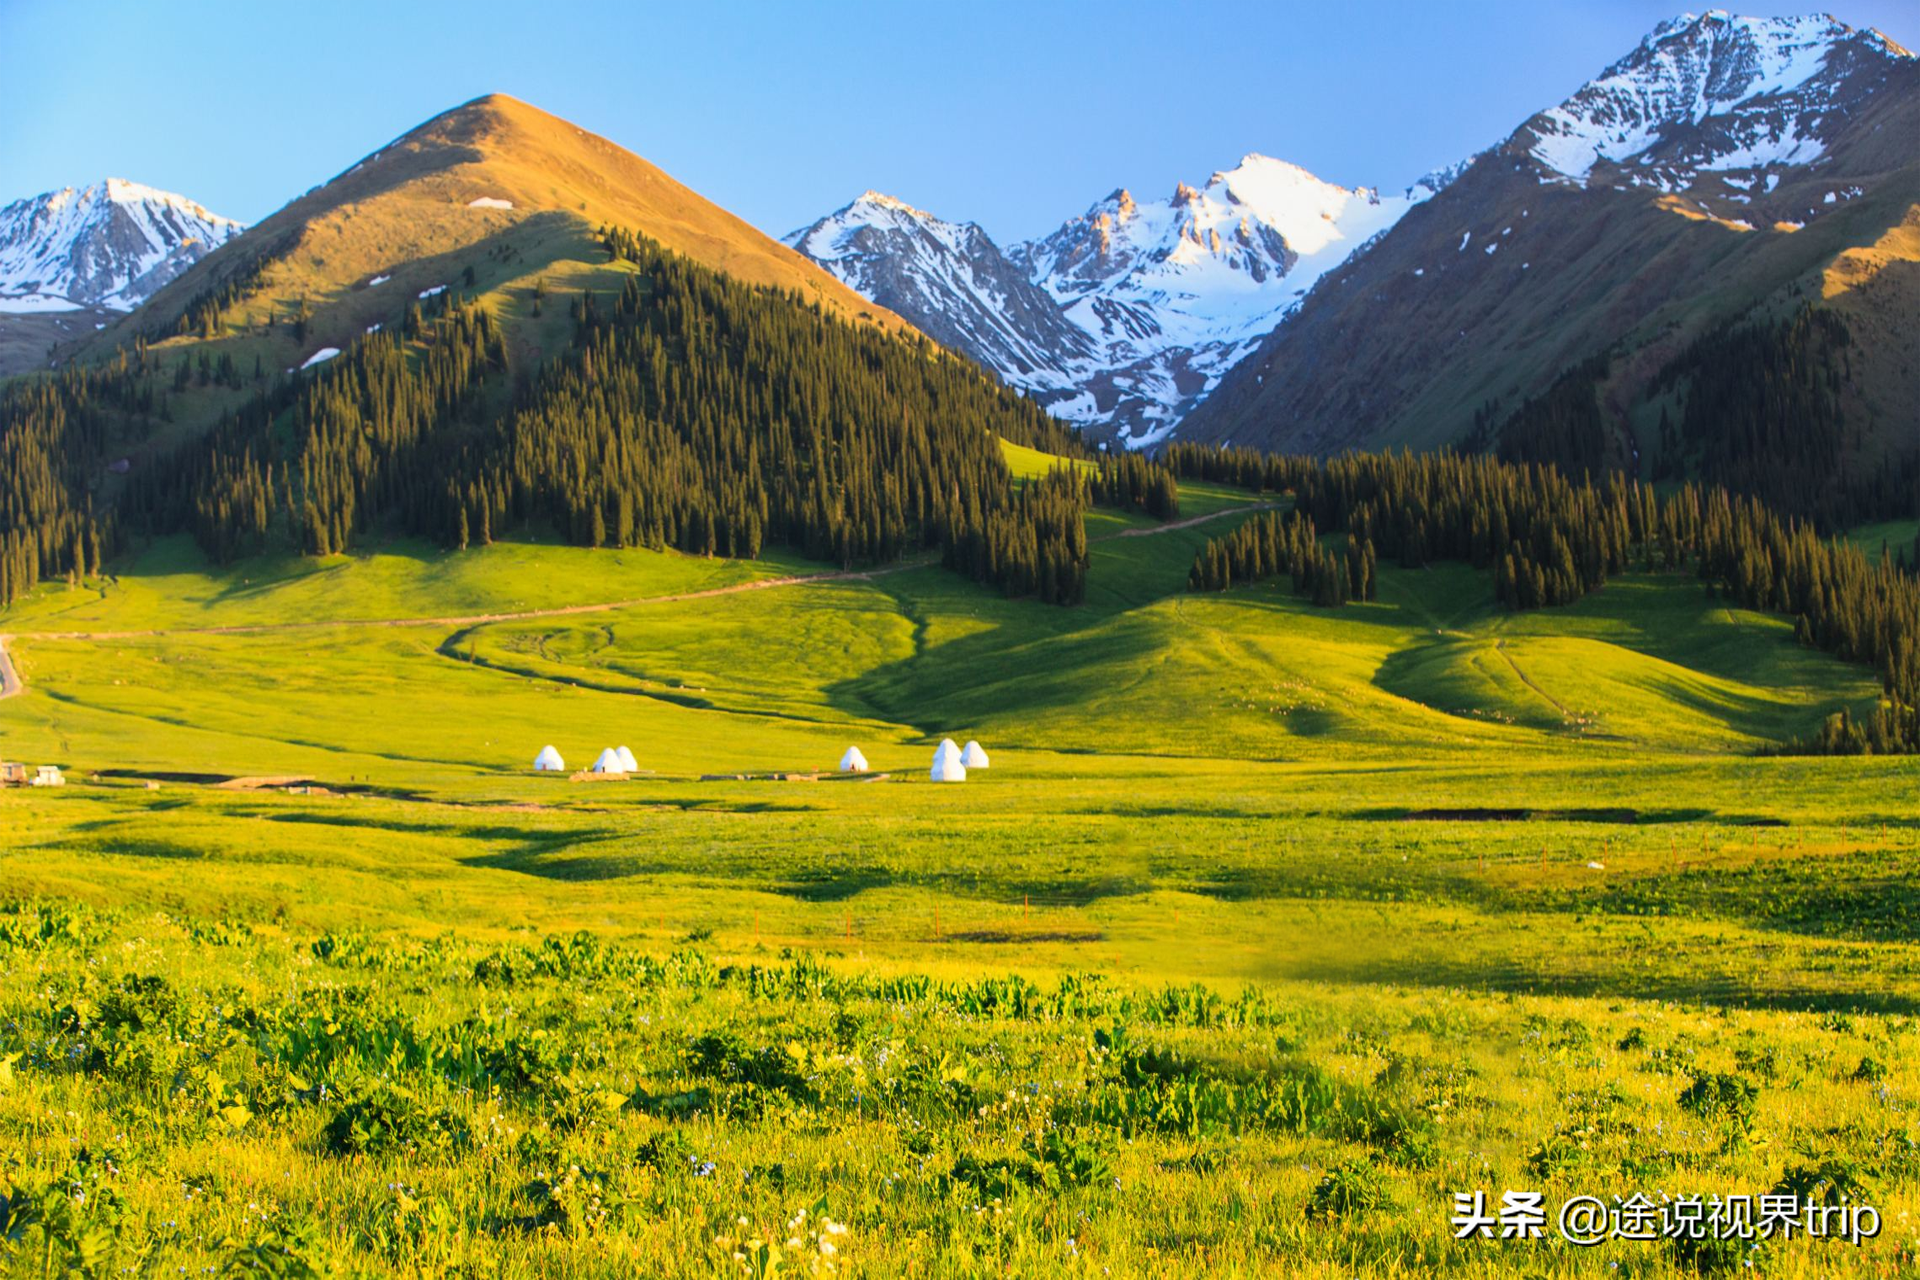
[1269, 930]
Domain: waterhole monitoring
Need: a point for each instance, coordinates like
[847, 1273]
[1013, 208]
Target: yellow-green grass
[1459, 855]
[170, 586]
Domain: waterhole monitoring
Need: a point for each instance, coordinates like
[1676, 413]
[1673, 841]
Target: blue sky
[1014, 115]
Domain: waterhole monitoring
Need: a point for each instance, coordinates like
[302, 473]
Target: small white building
[627, 763]
[853, 761]
[609, 762]
[947, 765]
[549, 761]
[48, 775]
[974, 756]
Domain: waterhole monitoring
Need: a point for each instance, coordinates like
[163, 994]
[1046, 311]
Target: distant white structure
[974, 756]
[627, 763]
[549, 761]
[48, 775]
[609, 762]
[947, 765]
[853, 761]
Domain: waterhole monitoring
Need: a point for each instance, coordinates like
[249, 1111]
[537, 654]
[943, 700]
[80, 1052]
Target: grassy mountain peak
[495, 185]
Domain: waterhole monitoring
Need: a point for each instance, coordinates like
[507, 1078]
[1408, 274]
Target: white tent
[974, 756]
[627, 763]
[946, 763]
[853, 761]
[549, 761]
[609, 762]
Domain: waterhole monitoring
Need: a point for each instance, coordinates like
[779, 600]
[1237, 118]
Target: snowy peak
[1305, 210]
[1249, 226]
[1711, 92]
[1172, 294]
[111, 244]
[952, 282]
[850, 234]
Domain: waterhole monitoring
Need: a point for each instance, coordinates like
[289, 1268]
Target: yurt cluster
[613, 762]
[950, 763]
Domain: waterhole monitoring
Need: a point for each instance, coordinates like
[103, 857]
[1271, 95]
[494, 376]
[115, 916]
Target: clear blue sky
[1015, 115]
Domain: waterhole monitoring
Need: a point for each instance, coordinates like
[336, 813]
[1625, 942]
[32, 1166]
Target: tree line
[1273, 545]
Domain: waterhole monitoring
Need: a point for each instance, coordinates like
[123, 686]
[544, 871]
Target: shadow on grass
[1603, 816]
[1682, 987]
[845, 884]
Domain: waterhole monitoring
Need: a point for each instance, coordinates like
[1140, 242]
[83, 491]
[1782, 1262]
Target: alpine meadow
[1297, 730]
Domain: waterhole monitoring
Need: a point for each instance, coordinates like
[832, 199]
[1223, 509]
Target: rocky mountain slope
[957, 287]
[1726, 170]
[112, 244]
[72, 261]
[1123, 317]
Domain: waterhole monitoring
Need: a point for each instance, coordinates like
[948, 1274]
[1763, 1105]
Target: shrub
[1831, 1181]
[1347, 1190]
[390, 1118]
[1722, 1096]
[1870, 1071]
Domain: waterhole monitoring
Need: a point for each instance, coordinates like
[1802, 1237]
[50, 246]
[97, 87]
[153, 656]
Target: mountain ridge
[1125, 315]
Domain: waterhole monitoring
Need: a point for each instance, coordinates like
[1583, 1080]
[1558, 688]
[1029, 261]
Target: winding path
[9, 678]
[1155, 530]
[11, 684]
[1500, 646]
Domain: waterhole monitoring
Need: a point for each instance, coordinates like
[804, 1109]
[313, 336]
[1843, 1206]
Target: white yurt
[853, 761]
[974, 756]
[609, 762]
[947, 766]
[627, 763]
[549, 761]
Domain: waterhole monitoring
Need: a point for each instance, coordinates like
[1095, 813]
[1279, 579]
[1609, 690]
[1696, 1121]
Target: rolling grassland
[1269, 930]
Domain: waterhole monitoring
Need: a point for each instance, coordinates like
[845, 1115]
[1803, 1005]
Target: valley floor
[1269, 929]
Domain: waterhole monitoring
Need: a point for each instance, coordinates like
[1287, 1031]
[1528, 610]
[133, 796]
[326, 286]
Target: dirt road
[9, 678]
[1189, 523]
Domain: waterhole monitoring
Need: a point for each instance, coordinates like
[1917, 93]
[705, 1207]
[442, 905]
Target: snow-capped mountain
[953, 282]
[1725, 168]
[1713, 93]
[112, 245]
[1123, 317]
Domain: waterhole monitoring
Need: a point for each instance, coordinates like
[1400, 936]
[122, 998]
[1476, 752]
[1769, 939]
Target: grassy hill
[495, 185]
[1434, 667]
